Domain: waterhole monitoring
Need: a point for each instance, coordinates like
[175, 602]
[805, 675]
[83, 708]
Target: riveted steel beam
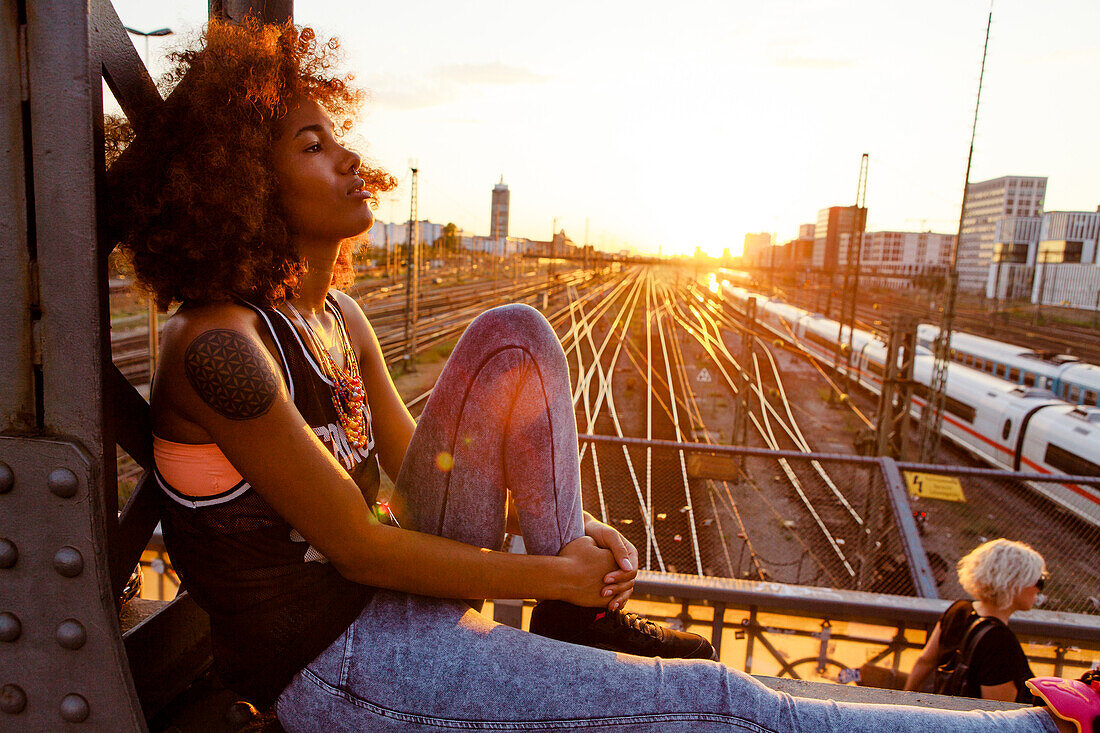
[62, 661]
[17, 409]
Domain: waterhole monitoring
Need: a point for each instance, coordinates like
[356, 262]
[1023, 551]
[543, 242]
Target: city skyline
[678, 128]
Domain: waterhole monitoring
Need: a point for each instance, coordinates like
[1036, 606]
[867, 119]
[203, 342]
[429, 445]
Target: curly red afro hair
[194, 197]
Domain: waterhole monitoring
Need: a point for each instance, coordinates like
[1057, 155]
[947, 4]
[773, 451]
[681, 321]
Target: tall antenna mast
[412, 280]
[851, 274]
[931, 418]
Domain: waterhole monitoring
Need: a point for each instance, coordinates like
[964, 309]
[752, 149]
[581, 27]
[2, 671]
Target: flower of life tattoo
[230, 374]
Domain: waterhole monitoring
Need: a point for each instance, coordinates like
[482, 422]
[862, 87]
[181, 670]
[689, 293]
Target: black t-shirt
[997, 659]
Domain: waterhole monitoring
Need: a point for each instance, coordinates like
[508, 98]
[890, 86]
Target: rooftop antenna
[931, 418]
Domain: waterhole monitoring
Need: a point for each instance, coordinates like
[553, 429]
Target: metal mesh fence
[789, 519]
[1052, 517]
[829, 521]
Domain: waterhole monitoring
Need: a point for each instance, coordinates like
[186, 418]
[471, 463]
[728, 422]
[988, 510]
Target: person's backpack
[952, 674]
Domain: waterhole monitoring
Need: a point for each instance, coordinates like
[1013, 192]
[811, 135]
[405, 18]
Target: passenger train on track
[1067, 377]
[1011, 426]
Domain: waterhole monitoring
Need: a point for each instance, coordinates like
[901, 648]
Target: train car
[1065, 439]
[1074, 381]
[1013, 426]
[1078, 383]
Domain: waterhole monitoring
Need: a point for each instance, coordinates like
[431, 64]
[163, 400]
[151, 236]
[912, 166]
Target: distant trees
[450, 238]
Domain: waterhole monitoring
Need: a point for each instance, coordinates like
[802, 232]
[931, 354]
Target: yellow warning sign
[934, 486]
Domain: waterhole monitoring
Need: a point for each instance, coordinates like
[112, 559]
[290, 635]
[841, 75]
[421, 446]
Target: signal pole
[850, 292]
[412, 281]
[739, 434]
[931, 416]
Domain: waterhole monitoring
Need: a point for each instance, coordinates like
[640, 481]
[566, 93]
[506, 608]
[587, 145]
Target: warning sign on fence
[934, 486]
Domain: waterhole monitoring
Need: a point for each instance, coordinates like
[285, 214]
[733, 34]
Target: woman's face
[1025, 599]
[321, 196]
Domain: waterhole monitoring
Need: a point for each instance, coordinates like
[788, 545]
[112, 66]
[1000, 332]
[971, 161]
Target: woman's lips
[358, 189]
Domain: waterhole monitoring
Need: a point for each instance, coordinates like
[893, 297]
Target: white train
[1010, 426]
[1074, 381]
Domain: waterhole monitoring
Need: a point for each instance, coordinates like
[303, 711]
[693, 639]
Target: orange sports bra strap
[195, 470]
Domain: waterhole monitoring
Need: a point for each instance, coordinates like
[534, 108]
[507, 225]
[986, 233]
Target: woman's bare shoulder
[192, 318]
[358, 324]
[189, 326]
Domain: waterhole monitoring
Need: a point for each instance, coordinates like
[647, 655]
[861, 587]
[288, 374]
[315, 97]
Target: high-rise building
[754, 243]
[831, 224]
[498, 221]
[986, 203]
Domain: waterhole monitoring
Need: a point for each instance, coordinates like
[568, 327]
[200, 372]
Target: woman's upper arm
[221, 377]
[931, 650]
[390, 420]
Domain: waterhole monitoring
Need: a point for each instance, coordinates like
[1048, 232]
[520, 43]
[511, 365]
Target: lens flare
[444, 461]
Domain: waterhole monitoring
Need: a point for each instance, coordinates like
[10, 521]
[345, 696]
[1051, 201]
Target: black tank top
[274, 601]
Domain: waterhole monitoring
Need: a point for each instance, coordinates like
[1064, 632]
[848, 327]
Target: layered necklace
[348, 395]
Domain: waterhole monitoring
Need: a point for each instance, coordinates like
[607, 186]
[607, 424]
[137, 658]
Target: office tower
[498, 222]
[986, 203]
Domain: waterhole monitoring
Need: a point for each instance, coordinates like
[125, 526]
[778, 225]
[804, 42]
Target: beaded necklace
[348, 395]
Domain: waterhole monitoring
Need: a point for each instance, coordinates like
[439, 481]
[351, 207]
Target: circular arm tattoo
[231, 374]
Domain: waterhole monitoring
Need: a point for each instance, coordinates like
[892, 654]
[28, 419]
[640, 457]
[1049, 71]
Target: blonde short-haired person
[1003, 577]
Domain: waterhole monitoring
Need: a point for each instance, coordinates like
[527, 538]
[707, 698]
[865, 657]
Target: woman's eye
[315, 147]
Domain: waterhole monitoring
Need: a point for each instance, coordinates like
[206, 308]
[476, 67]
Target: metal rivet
[12, 699]
[9, 553]
[10, 628]
[62, 482]
[69, 562]
[7, 478]
[240, 713]
[74, 708]
[71, 634]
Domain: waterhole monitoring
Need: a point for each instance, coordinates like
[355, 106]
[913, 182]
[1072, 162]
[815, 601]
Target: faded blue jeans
[501, 416]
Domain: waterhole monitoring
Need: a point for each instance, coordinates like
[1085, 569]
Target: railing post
[919, 569]
[717, 625]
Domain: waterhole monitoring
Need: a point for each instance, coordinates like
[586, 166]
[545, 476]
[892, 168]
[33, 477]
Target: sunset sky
[677, 125]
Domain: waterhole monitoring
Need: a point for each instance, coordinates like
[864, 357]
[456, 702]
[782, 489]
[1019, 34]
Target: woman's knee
[515, 322]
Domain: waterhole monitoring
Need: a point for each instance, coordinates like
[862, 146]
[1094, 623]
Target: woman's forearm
[425, 564]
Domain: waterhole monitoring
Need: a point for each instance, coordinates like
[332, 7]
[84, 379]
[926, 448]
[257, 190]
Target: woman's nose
[354, 160]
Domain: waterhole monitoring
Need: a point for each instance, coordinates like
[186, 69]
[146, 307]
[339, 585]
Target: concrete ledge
[878, 696]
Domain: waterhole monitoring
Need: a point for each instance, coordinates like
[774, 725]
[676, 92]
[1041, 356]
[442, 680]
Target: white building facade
[986, 203]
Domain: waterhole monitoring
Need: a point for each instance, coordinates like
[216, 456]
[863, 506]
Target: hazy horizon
[695, 125]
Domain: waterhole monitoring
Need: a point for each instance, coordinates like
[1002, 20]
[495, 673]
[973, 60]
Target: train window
[1029, 379]
[1006, 429]
[959, 409]
[1014, 375]
[1074, 394]
[978, 363]
[1071, 463]
[1090, 398]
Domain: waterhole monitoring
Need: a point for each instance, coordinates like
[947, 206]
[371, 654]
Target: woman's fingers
[619, 576]
[620, 600]
[618, 594]
[610, 538]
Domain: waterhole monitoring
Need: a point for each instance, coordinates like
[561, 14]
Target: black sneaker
[616, 631]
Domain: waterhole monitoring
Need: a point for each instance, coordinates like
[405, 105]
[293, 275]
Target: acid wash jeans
[502, 416]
